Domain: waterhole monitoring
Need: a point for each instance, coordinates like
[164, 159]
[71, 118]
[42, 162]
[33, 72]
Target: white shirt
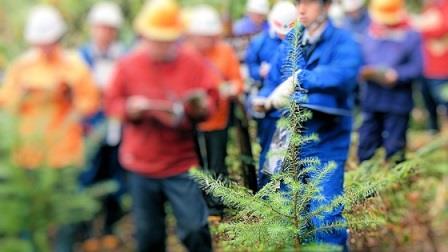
[105, 63]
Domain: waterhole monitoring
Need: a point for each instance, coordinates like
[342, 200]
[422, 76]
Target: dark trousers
[331, 187]
[105, 166]
[216, 146]
[183, 194]
[265, 132]
[432, 92]
[381, 129]
[333, 146]
[216, 151]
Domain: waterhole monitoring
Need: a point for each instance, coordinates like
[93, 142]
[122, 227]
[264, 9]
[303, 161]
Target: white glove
[228, 89]
[261, 104]
[264, 69]
[281, 95]
[137, 105]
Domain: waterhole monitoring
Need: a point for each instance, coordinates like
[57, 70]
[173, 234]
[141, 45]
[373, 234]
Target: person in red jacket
[433, 24]
[159, 92]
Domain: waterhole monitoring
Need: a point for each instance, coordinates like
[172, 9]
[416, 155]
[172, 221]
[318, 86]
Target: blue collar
[328, 32]
[325, 36]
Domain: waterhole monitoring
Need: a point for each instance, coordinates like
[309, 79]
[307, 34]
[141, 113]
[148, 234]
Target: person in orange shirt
[49, 90]
[204, 29]
[432, 23]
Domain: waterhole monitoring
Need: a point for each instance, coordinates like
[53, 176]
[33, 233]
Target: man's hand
[386, 77]
[367, 73]
[281, 96]
[228, 90]
[64, 92]
[264, 69]
[261, 105]
[390, 78]
[196, 105]
[136, 106]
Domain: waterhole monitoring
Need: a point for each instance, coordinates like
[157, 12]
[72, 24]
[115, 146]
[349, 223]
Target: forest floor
[415, 232]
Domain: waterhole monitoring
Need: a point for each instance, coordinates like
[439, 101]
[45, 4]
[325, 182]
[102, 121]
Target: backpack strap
[87, 55]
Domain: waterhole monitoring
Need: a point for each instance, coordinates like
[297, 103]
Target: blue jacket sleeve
[252, 59]
[413, 67]
[274, 77]
[335, 76]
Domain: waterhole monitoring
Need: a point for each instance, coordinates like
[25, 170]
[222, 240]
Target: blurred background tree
[36, 202]
[13, 18]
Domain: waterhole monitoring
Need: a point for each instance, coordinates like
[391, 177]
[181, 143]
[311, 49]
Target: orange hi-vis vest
[225, 60]
[49, 98]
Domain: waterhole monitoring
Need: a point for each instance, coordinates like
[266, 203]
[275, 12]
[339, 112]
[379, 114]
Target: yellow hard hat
[160, 20]
[387, 12]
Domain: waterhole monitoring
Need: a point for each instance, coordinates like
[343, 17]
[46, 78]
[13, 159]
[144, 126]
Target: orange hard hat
[160, 20]
[387, 12]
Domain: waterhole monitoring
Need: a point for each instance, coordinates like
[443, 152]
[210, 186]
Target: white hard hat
[45, 25]
[258, 6]
[106, 13]
[204, 20]
[352, 5]
[283, 17]
[337, 13]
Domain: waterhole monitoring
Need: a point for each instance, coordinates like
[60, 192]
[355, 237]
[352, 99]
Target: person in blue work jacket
[393, 60]
[255, 20]
[357, 19]
[328, 63]
[282, 19]
[262, 48]
[101, 54]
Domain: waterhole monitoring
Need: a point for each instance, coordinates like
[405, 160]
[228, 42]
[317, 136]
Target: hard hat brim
[206, 33]
[112, 24]
[388, 18]
[259, 12]
[41, 38]
[165, 35]
[281, 31]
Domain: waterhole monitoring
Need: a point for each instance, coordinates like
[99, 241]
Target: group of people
[165, 104]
